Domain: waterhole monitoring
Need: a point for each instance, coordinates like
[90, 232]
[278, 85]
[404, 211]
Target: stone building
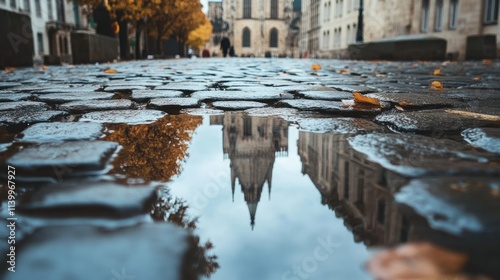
[329, 26]
[219, 26]
[252, 145]
[259, 27]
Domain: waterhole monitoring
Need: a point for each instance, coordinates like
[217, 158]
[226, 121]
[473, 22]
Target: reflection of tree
[155, 151]
[170, 209]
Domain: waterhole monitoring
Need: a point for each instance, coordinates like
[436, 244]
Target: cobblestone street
[76, 137]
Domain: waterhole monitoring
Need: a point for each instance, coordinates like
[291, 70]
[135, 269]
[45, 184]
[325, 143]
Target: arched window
[274, 9]
[247, 8]
[246, 37]
[273, 38]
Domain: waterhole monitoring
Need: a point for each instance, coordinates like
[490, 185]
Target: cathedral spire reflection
[252, 144]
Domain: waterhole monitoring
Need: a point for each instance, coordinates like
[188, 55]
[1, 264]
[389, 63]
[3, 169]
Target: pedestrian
[231, 52]
[224, 45]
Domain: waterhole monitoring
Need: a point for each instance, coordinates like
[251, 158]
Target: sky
[205, 4]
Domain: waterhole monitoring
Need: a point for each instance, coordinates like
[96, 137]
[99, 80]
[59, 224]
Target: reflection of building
[252, 144]
[358, 190]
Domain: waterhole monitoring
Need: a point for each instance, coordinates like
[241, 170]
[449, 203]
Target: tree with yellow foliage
[198, 37]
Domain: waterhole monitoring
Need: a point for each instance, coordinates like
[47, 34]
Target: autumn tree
[198, 37]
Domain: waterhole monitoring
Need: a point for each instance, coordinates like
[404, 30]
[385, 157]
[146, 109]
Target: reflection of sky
[287, 227]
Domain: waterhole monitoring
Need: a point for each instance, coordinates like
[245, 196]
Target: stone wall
[16, 40]
[91, 48]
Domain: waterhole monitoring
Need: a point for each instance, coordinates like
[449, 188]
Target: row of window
[247, 35]
[490, 14]
[351, 5]
[38, 7]
[247, 9]
[337, 37]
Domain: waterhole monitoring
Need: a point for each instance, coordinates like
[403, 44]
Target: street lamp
[359, 32]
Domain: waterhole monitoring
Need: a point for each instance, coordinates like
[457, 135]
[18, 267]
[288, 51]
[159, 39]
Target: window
[274, 9]
[349, 6]
[39, 38]
[49, 9]
[381, 211]
[336, 8]
[453, 14]
[438, 25]
[38, 8]
[27, 6]
[425, 16]
[273, 38]
[247, 8]
[491, 11]
[247, 127]
[246, 37]
[13, 3]
[348, 34]
[341, 7]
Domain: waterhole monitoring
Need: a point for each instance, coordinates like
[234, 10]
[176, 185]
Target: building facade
[329, 26]
[52, 22]
[259, 27]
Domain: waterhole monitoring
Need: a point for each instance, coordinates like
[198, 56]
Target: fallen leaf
[343, 71]
[404, 103]
[436, 85]
[44, 67]
[487, 61]
[476, 78]
[381, 75]
[399, 108]
[474, 115]
[359, 98]
[110, 71]
[437, 72]
[316, 67]
[9, 69]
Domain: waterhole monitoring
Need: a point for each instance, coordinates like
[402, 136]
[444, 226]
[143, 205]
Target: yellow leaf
[437, 72]
[404, 103]
[361, 99]
[316, 67]
[110, 71]
[436, 85]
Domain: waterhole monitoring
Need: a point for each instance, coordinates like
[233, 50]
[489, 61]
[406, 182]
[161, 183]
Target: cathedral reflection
[357, 190]
[252, 144]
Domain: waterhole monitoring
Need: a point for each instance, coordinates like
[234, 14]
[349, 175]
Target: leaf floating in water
[361, 99]
[316, 67]
[110, 71]
[436, 85]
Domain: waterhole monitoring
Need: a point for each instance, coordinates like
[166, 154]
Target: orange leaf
[343, 71]
[487, 61]
[437, 72]
[359, 98]
[110, 71]
[44, 67]
[436, 85]
[316, 67]
[9, 69]
[404, 103]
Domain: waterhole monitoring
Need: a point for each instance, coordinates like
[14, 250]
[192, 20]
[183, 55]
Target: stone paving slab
[7, 96]
[83, 252]
[29, 116]
[332, 107]
[61, 131]
[169, 103]
[243, 95]
[325, 95]
[61, 159]
[339, 125]
[145, 95]
[185, 87]
[93, 105]
[352, 88]
[485, 138]
[73, 96]
[416, 155]
[123, 116]
[414, 100]
[23, 105]
[124, 88]
[71, 90]
[237, 105]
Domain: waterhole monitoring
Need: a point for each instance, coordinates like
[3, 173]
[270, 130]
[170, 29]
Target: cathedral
[258, 28]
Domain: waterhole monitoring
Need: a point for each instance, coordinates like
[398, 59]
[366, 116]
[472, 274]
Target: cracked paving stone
[416, 155]
[89, 199]
[188, 86]
[327, 106]
[74, 96]
[429, 121]
[29, 116]
[23, 105]
[13, 96]
[457, 205]
[169, 103]
[243, 95]
[338, 125]
[61, 131]
[62, 159]
[73, 253]
[417, 100]
[144, 95]
[325, 95]
[124, 116]
[237, 105]
[487, 139]
[352, 88]
[91, 105]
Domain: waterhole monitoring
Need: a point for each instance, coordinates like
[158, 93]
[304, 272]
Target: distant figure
[224, 45]
[231, 52]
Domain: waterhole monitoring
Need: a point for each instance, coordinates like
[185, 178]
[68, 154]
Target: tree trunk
[123, 36]
[159, 48]
[138, 40]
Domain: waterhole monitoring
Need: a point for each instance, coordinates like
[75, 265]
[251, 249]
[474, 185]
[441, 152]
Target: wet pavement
[249, 169]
